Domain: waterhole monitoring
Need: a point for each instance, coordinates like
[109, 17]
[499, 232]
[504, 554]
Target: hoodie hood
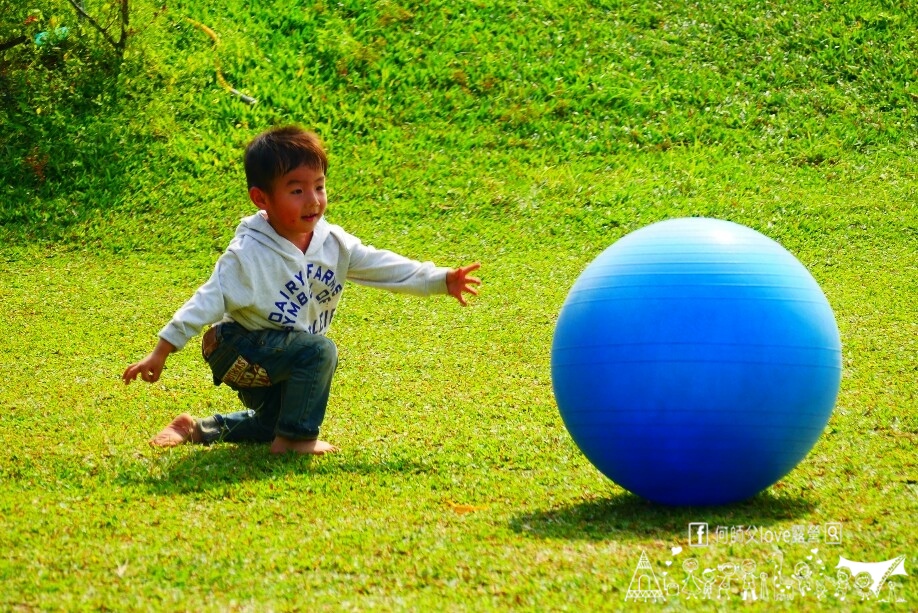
[257, 228]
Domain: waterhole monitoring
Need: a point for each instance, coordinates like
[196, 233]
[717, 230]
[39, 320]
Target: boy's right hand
[151, 367]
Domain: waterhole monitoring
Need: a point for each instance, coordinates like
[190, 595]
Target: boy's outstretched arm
[458, 282]
[151, 367]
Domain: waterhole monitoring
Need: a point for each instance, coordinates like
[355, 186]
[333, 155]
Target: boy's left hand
[458, 282]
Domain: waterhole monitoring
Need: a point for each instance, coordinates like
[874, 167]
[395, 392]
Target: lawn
[527, 136]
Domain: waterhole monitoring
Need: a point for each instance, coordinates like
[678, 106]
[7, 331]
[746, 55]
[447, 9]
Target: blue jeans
[282, 377]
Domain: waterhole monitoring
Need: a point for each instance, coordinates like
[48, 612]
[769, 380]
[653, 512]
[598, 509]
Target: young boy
[272, 297]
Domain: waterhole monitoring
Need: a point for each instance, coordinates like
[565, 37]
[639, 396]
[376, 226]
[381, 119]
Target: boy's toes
[176, 433]
[167, 438]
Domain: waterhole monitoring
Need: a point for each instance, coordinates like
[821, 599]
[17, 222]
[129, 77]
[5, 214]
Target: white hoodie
[264, 281]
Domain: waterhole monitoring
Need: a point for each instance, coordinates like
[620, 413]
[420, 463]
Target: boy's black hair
[277, 151]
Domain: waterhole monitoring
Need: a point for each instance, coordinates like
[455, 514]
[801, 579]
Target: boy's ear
[259, 197]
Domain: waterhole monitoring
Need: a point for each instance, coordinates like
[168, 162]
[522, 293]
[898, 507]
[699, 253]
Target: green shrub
[61, 127]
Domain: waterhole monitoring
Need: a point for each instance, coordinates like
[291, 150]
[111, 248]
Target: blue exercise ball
[695, 362]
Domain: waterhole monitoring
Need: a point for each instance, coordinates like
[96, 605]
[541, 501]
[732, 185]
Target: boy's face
[295, 203]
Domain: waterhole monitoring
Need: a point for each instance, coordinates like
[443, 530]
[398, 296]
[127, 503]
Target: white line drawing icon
[862, 586]
[707, 578]
[807, 578]
[724, 589]
[644, 585]
[763, 594]
[698, 534]
[893, 588]
[803, 575]
[842, 584]
[749, 580]
[690, 587]
[784, 587]
[833, 533]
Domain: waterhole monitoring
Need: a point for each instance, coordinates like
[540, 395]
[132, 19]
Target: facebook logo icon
[698, 534]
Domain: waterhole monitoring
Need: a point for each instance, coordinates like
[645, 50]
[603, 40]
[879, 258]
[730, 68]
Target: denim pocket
[244, 374]
[227, 363]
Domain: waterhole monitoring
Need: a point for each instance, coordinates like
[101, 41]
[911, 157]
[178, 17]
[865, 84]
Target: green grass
[529, 136]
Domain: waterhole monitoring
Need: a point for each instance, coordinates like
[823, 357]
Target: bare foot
[181, 430]
[316, 447]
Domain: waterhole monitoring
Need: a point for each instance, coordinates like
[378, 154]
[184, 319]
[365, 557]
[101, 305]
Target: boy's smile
[294, 204]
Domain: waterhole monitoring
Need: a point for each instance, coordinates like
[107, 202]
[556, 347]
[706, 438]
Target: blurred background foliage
[93, 135]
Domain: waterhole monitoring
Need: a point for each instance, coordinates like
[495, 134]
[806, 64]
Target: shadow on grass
[201, 469]
[625, 516]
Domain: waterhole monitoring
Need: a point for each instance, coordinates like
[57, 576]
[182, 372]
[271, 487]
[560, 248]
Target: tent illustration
[644, 585]
[879, 571]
